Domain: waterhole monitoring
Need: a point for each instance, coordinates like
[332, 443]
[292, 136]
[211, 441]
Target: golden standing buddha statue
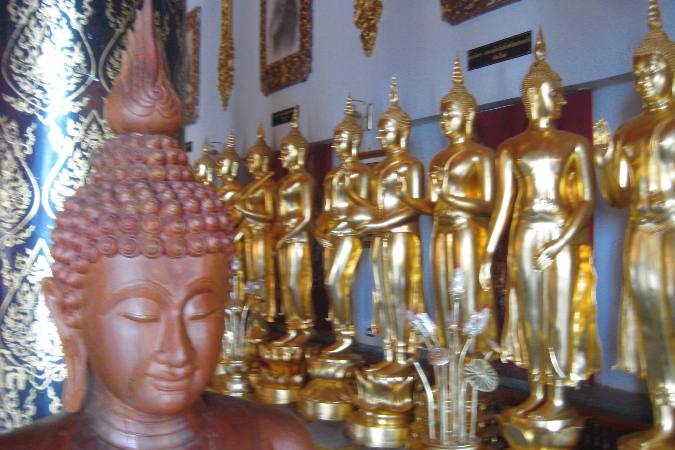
[284, 358]
[546, 187]
[637, 171]
[256, 203]
[460, 199]
[385, 389]
[204, 168]
[330, 394]
[227, 168]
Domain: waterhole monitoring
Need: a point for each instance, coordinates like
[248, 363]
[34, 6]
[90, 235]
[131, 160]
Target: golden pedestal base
[284, 371]
[231, 379]
[523, 433]
[377, 429]
[435, 445]
[315, 400]
[276, 394]
[330, 393]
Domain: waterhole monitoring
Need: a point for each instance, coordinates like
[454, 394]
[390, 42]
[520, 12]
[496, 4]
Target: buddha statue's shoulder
[60, 431]
[256, 426]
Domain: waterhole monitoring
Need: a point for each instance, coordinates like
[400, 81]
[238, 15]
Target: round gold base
[311, 410]
[373, 429]
[524, 434]
[270, 394]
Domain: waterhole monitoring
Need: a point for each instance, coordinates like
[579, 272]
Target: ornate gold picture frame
[457, 11]
[285, 43]
[192, 44]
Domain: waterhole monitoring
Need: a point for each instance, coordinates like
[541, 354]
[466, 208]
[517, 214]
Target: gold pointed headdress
[260, 147]
[657, 41]
[294, 137]
[395, 111]
[230, 151]
[539, 72]
[459, 93]
[349, 123]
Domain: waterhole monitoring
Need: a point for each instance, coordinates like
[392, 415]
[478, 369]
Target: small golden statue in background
[255, 204]
[204, 168]
[227, 168]
[329, 396]
[637, 171]
[460, 199]
[385, 389]
[284, 374]
[546, 186]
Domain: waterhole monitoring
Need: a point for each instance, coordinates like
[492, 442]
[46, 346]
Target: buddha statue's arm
[266, 213]
[320, 227]
[612, 167]
[356, 198]
[306, 199]
[482, 205]
[501, 215]
[423, 205]
[583, 166]
[414, 180]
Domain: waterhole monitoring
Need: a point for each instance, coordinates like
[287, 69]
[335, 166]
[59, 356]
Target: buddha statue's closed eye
[138, 290]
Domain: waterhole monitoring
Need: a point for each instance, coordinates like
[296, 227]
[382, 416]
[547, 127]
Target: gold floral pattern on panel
[226, 54]
[31, 354]
[18, 203]
[47, 53]
[72, 169]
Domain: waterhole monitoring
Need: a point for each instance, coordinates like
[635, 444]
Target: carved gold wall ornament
[285, 43]
[367, 14]
[193, 43]
[457, 11]
[226, 54]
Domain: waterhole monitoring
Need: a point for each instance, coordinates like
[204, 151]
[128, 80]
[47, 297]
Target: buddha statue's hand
[401, 186]
[602, 142]
[485, 275]
[547, 255]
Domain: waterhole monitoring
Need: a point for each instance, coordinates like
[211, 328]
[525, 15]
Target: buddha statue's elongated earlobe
[74, 350]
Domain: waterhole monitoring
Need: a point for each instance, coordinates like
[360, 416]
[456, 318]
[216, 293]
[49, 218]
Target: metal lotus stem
[454, 375]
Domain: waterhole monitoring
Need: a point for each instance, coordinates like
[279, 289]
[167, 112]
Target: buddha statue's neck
[457, 138]
[123, 427]
[541, 123]
[658, 104]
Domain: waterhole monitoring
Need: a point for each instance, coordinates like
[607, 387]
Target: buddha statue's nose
[175, 349]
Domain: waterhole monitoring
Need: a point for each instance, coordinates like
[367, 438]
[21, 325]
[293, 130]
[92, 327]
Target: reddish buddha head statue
[138, 290]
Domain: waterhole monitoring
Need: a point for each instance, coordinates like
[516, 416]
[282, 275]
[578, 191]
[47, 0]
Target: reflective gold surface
[546, 187]
[285, 364]
[460, 199]
[385, 389]
[204, 168]
[636, 170]
[256, 205]
[328, 396]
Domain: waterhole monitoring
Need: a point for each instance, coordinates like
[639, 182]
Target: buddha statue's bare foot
[286, 338]
[656, 438]
[550, 410]
[377, 366]
[532, 402]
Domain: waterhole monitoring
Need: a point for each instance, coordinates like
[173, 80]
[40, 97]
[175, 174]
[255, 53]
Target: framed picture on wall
[285, 43]
[192, 44]
[457, 11]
